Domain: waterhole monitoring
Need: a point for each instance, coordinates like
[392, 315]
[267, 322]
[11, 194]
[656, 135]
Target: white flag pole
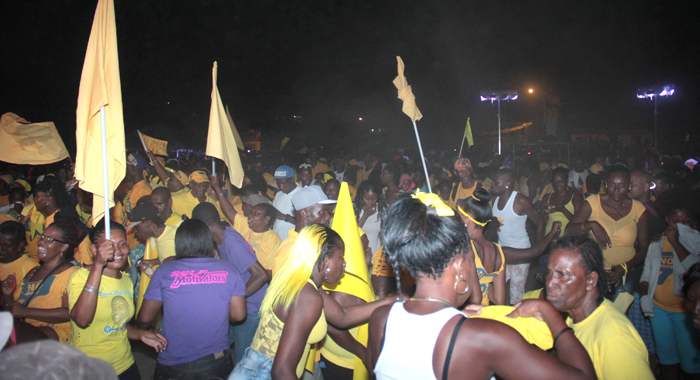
[213, 166]
[105, 178]
[461, 146]
[425, 164]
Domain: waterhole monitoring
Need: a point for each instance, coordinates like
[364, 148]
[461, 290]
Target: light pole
[654, 94]
[498, 96]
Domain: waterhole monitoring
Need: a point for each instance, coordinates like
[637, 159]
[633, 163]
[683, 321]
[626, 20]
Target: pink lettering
[199, 278]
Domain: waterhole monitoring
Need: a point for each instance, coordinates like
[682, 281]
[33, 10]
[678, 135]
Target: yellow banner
[25, 143]
[159, 147]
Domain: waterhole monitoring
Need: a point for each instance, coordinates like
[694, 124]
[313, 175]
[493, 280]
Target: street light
[498, 96]
[654, 94]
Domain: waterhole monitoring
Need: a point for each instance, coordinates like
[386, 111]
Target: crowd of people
[515, 267]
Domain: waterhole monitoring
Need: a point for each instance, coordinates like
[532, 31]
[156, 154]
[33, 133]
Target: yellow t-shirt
[174, 220]
[19, 268]
[83, 254]
[139, 190]
[282, 252]
[622, 233]
[106, 338]
[533, 330]
[185, 202]
[265, 244]
[486, 278]
[460, 194]
[533, 294]
[49, 296]
[663, 296]
[319, 168]
[616, 349]
[166, 242]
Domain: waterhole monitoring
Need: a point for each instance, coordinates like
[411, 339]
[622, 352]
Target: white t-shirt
[283, 203]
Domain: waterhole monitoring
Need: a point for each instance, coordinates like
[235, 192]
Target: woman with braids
[370, 208]
[42, 304]
[50, 201]
[432, 245]
[295, 311]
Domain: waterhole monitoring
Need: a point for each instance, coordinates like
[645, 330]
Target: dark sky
[333, 61]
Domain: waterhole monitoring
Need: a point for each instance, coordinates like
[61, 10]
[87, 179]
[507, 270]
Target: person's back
[513, 233]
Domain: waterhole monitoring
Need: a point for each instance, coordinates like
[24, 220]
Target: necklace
[430, 299]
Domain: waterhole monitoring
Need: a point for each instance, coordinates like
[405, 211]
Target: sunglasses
[49, 239]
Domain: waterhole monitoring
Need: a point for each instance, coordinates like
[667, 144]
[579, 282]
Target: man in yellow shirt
[162, 200]
[147, 225]
[466, 185]
[13, 259]
[185, 202]
[134, 176]
[310, 206]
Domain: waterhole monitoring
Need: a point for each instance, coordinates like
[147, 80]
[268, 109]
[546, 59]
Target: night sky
[332, 62]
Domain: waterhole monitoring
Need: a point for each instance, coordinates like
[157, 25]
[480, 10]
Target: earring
[327, 271]
[459, 279]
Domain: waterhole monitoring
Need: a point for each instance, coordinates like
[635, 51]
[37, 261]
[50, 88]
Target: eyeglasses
[49, 239]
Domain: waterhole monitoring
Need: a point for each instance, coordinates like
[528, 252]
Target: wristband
[558, 335]
[89, 288]
[286, 218]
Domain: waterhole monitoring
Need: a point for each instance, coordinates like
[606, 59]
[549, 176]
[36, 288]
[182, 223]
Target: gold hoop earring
[458, 279]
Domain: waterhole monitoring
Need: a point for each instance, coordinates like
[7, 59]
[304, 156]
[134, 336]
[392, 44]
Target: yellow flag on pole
[156, 146]
[25, 143]
[100, 87]
[220, 141]
[406, 94]
[468, 134]
[284, 142]
[236, 136]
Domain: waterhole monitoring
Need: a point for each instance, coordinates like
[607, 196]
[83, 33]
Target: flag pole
[461, 146]
[213, 166]
[105, 178]
[425, 164]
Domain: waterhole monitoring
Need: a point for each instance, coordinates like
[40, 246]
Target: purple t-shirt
[196, 295]
[236, 250]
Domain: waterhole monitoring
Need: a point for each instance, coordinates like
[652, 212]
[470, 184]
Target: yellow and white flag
[100, 87]
[406, 94]
[159, 147]
[25, 143]
[220, 141]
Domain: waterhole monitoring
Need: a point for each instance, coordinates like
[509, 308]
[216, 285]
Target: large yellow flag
[156, 146]
[406, 94]
[100, 87]
[220, 141]
[468, 134]
[355, 280]
[25, 143]
[236, 136]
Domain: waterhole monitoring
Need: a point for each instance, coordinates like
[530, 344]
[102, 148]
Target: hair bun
[482, 195]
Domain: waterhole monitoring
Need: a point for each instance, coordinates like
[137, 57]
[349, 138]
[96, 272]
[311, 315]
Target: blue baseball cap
[283, 171]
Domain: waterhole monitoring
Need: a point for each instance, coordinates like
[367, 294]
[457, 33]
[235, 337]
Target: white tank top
[409, 343]
[513, 233]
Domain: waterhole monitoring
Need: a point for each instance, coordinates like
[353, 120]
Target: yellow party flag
[355, 280]
[468, 134]
[220, 141]
[100, 87]
[236, 136]
[406, 94]
[284, 142]
[156, 146]
[25, 143]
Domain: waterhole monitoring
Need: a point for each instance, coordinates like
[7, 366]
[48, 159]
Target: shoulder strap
[381, 344]
[26, 302]
[448, 357]
[454, 190]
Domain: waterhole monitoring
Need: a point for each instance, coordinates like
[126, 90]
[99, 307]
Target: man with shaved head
[161, 198]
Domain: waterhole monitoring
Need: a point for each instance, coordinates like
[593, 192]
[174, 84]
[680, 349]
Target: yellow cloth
[185, 202]
[663, 296]
[237, 203]
[50, 296]
[282, 252]
[485, 278]
[37, 225]
[265, 244]
[236, 135]
[596, 168]
[156, 146]
[83, 254]
[560, 217]
[622, 233]
[221, 142]
[533, 294]
[174, 219]
[6, 218]
[199, 176]
[533, 330]
[166, 242]
[100, 87]
[267, 337]
[106, 337]
[461, 194]
[19, 268]
[140, 189]
[319, 168]
[284, 142]
[616, 349]
[150, 253]
[25, 143]
[406, 94]
[381, 265]
[353, 191]
[468, 134]
[338, 355]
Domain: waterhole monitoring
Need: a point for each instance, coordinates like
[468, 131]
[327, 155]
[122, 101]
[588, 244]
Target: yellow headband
[470, 217]
[432, 200]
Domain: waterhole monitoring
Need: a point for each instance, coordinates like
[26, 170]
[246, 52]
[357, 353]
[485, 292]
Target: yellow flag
[284, 142]
[220, 141]
[236, 136]
[468, 134]
[25, 143]
[355, 280]
[156, 146]
[100, 87]
[406, 94]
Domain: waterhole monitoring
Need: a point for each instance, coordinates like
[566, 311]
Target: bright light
[531, 91]
[651, 93]
[495, 95]
[360, 119]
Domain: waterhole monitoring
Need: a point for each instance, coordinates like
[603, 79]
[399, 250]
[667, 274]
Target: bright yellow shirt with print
[19, 268]
[265, 244]
[106, 337]
[663, 296]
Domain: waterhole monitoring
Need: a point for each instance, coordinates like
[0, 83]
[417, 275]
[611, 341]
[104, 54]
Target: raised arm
[83, 311]
[516, 255]
[351, 316]
[224, 203]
